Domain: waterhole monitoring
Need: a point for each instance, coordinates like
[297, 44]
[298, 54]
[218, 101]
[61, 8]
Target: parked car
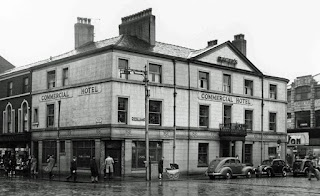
[272, 167]
[301, 167]
[228, 167]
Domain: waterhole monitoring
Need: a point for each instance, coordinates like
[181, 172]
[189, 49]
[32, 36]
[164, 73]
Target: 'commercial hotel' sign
[55, 96]
[225, 99]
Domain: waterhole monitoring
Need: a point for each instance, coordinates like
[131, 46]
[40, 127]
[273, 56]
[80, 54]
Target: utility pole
[144, 73]
[58, 129]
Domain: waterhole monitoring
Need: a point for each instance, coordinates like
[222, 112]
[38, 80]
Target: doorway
[113, 148]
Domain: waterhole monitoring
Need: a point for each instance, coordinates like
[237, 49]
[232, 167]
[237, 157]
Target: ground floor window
[272, 152]
[48, 148]
[248, 153]
[83, 150]
[139, 153]
[203, 154]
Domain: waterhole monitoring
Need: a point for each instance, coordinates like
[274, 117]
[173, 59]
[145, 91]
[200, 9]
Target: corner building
[203, 103]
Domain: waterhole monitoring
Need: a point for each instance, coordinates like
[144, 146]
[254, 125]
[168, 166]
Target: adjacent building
[303, 117]
[202, 103]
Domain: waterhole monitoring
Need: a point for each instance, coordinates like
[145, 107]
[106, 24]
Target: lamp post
[144, 73]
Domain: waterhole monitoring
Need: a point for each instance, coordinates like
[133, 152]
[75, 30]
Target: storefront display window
[83, 150]
[139, 153]
[48, 148]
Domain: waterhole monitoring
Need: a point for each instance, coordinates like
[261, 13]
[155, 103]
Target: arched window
[8, 119]
[23, 117]
[303, 93]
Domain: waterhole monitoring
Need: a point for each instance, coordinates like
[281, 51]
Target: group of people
[108, 170]
[28, 166]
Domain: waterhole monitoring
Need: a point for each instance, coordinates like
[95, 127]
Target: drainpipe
[174, 109]
[262, 105]
[189, 105]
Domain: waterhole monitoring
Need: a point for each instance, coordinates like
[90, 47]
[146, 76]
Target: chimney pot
[83, 31]
[240, 43]
[212, 42]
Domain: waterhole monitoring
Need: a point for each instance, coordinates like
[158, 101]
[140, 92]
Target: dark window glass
[204, 80]
[227, 115]
[273, 91]
[203, 154]
[155, 112]
[139, 153]
[272, 121]
[83, 150]
[35, 115]
[25, 117]
[9, 89]
[303, 93]
[248, 153]
[25, 85]
[248, 119]
[317, 115]
[248, 87]
[9, 119]
[227, 83]
[154, 73]
[51, 79]
[317, 93]
[65, 76]
[50, 115]
[204, 116]
[302, 119]
[123, 64]
[122, 110]
[48, 148]
[62, 146]
[272, 152]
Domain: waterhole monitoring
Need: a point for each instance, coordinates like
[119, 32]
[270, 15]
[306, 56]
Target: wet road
[189, 187]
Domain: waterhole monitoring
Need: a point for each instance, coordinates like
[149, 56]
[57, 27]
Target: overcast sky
[283, 36]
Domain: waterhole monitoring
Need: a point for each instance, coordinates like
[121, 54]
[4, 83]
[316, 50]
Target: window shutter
[13, 118]
[20, 121]
[4, 123]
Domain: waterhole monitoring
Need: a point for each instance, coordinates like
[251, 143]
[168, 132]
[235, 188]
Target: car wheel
[284, 173]
[249, 174]
[211, 177]
[228, 175]
[269, 174]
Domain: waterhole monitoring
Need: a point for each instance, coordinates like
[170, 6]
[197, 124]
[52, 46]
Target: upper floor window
[10, 119]
[9, 89]
[154, 73]
[317, 93]
[65, 76]
[50, 115]
[122, 110]
[25, 85]
[302, 93]
[272, 121]
[273, 91]
[227, 115]
[203, 80]
[248, 87]
[51, 78]
[23, 117]
[248, 119]
[227, 83]
[288, 96]
[155, 112]
[123, 64]
[317, 117]
[204, 116]
[35, 116]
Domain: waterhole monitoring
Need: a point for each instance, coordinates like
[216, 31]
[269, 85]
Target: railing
[233, 129]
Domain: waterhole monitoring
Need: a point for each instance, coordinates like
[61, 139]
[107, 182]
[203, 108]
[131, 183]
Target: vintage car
[301, 167]
[272, 168]
[228, 167]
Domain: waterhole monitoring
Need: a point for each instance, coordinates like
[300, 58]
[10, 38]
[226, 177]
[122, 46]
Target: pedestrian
[313, 171]
[94, 170]
[109, 167]
[33, 169]
[6, 162]
[73, 169]
[160, 167]
[51, 162]
[13, 164]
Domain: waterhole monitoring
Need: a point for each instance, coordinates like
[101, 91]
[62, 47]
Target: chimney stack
[212, 43]
[83, 32]
[240, 43]
[142, 25]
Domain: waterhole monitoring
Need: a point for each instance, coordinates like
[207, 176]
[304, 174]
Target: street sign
[138, 119]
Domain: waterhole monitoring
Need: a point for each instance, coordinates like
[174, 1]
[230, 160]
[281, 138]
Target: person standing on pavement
[160, 167]
[109, 167]
[51, 161]
[94, 170]
[73, 169]
[33, 168]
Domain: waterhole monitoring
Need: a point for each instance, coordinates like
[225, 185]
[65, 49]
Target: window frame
[248, 87]
[224, 114]
[203, 81]
[227, 87]
[139, 150]
[248, 120]
[152, 74]
[304, 92]
[273, 92]
[65, 76]
[126, 77]
[159, 113]
[52, 146]
[204, 116]
[51, 75]
[25, 87]
[125, 111]
[203, 154]
[9, 88]
[273, 124]
[50, 116]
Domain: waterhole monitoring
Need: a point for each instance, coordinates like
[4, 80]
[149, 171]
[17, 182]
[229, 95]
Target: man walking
[160, 168]
[73, 169]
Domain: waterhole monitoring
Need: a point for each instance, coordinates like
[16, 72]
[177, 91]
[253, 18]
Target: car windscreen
[214, 163]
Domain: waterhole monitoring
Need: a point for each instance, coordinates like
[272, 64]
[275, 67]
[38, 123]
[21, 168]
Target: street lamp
[144, 73]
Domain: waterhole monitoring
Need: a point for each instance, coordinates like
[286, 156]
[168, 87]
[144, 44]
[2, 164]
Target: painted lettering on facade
[55, 96]
[225, 99]
[227, 60]
[90, 90]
